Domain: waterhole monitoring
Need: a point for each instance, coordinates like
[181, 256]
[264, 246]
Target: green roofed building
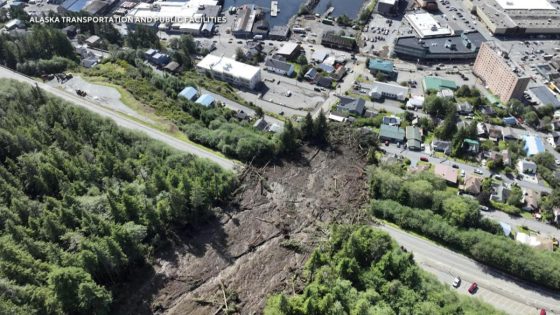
[385, 67]
[438, 84]
[391, 133]
[471, 146]
[413, 138]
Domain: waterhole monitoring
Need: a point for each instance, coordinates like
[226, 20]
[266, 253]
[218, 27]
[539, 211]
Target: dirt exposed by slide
[259, 245]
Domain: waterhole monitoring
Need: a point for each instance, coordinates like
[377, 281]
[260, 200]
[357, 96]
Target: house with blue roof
[189, 93]
[510, 121]
[533, 145]
[205, 100]
[384, 67]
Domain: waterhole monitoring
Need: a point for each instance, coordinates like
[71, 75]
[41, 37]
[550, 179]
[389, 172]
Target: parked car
[478, 171]
[423, 158]
[473, 288]
[498, 177]
[484, 208]
[462, 173]
[457, 282]
[455, 166]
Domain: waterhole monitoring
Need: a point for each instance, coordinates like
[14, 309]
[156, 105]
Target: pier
[273, 8]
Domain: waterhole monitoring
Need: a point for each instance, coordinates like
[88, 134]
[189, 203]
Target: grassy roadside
[161, 124]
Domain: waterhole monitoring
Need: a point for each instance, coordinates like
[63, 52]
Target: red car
[423, 158]
[473, 288]
[543, 312]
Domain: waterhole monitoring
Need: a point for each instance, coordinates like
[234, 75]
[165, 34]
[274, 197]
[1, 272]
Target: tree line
[42, 50]
[83, 202]
[500, 252]
[361, 270]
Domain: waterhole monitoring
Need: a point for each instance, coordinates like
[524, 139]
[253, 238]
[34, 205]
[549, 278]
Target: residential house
[70, 31]
[160, 59]
[530, 200]
[242, 115]
[205, 100]
[471, 146]
[189, 93]
[385, 68]
[500, 194]
[172, 67]
[506, 159]
[94, 41]
[325, 82]
[446, 172]
[261, 124]
[464, 108]
[441, 146]
[494, 133]
[13, 24]
[510, 121]
[319, 56]
[508, 134]
[445, 93]
[527, 167]
[311, 74]
[339, 73]
[391, 120]
[326, 68]
[279, 67]
[533, 145]
[149, 53]
[391, 133]
[481, 130]
[355, 106]
[473, 185]
[415, 102]
[413, 138]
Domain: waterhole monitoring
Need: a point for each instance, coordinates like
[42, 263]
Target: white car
[557, 162]
[478, 171]
[498, 177]
[457, 282]
[462, 173]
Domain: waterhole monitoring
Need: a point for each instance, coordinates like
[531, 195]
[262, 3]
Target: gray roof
[437, 44]
[277, 64]
[279, 30]
[545, 96]
[351, 104]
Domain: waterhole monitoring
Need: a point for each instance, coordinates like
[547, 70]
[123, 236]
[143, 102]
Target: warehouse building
[462, 47]
[332, 40]
[517, 17]
[504, 78]
[231, 71]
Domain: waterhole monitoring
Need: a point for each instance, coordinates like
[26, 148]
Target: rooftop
[381, 65]
[426, 25]
[189, 92]
[458, 44]
[288, 49]
[525, 5]
[545, 96]
[205, 100]
[438, 84]
[446, 172]
[227, 65]
[533, 145]
[392, 132]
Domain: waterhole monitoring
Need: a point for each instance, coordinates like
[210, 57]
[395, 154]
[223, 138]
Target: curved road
[123, 121]
[496, 288]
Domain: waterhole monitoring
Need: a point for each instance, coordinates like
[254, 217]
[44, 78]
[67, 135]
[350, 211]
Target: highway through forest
[504, 292]
[123, 121]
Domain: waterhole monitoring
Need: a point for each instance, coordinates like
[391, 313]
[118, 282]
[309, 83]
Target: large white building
[231, 71]
[517, 17]
[186, 17]
[425, 25]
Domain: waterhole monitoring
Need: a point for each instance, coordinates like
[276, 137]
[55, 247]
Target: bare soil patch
[258, 245]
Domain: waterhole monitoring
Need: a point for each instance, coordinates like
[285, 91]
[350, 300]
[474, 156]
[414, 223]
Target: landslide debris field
[258, 244]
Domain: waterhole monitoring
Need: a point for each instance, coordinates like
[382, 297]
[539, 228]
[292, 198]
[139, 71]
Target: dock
[273, 8]
[329, 11]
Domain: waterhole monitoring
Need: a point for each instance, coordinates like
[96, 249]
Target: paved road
[122, 120]
[500, 290]
[414, 156]
[518, 221]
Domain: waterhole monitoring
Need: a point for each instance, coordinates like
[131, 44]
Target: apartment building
[231, 71]
[503, 77]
